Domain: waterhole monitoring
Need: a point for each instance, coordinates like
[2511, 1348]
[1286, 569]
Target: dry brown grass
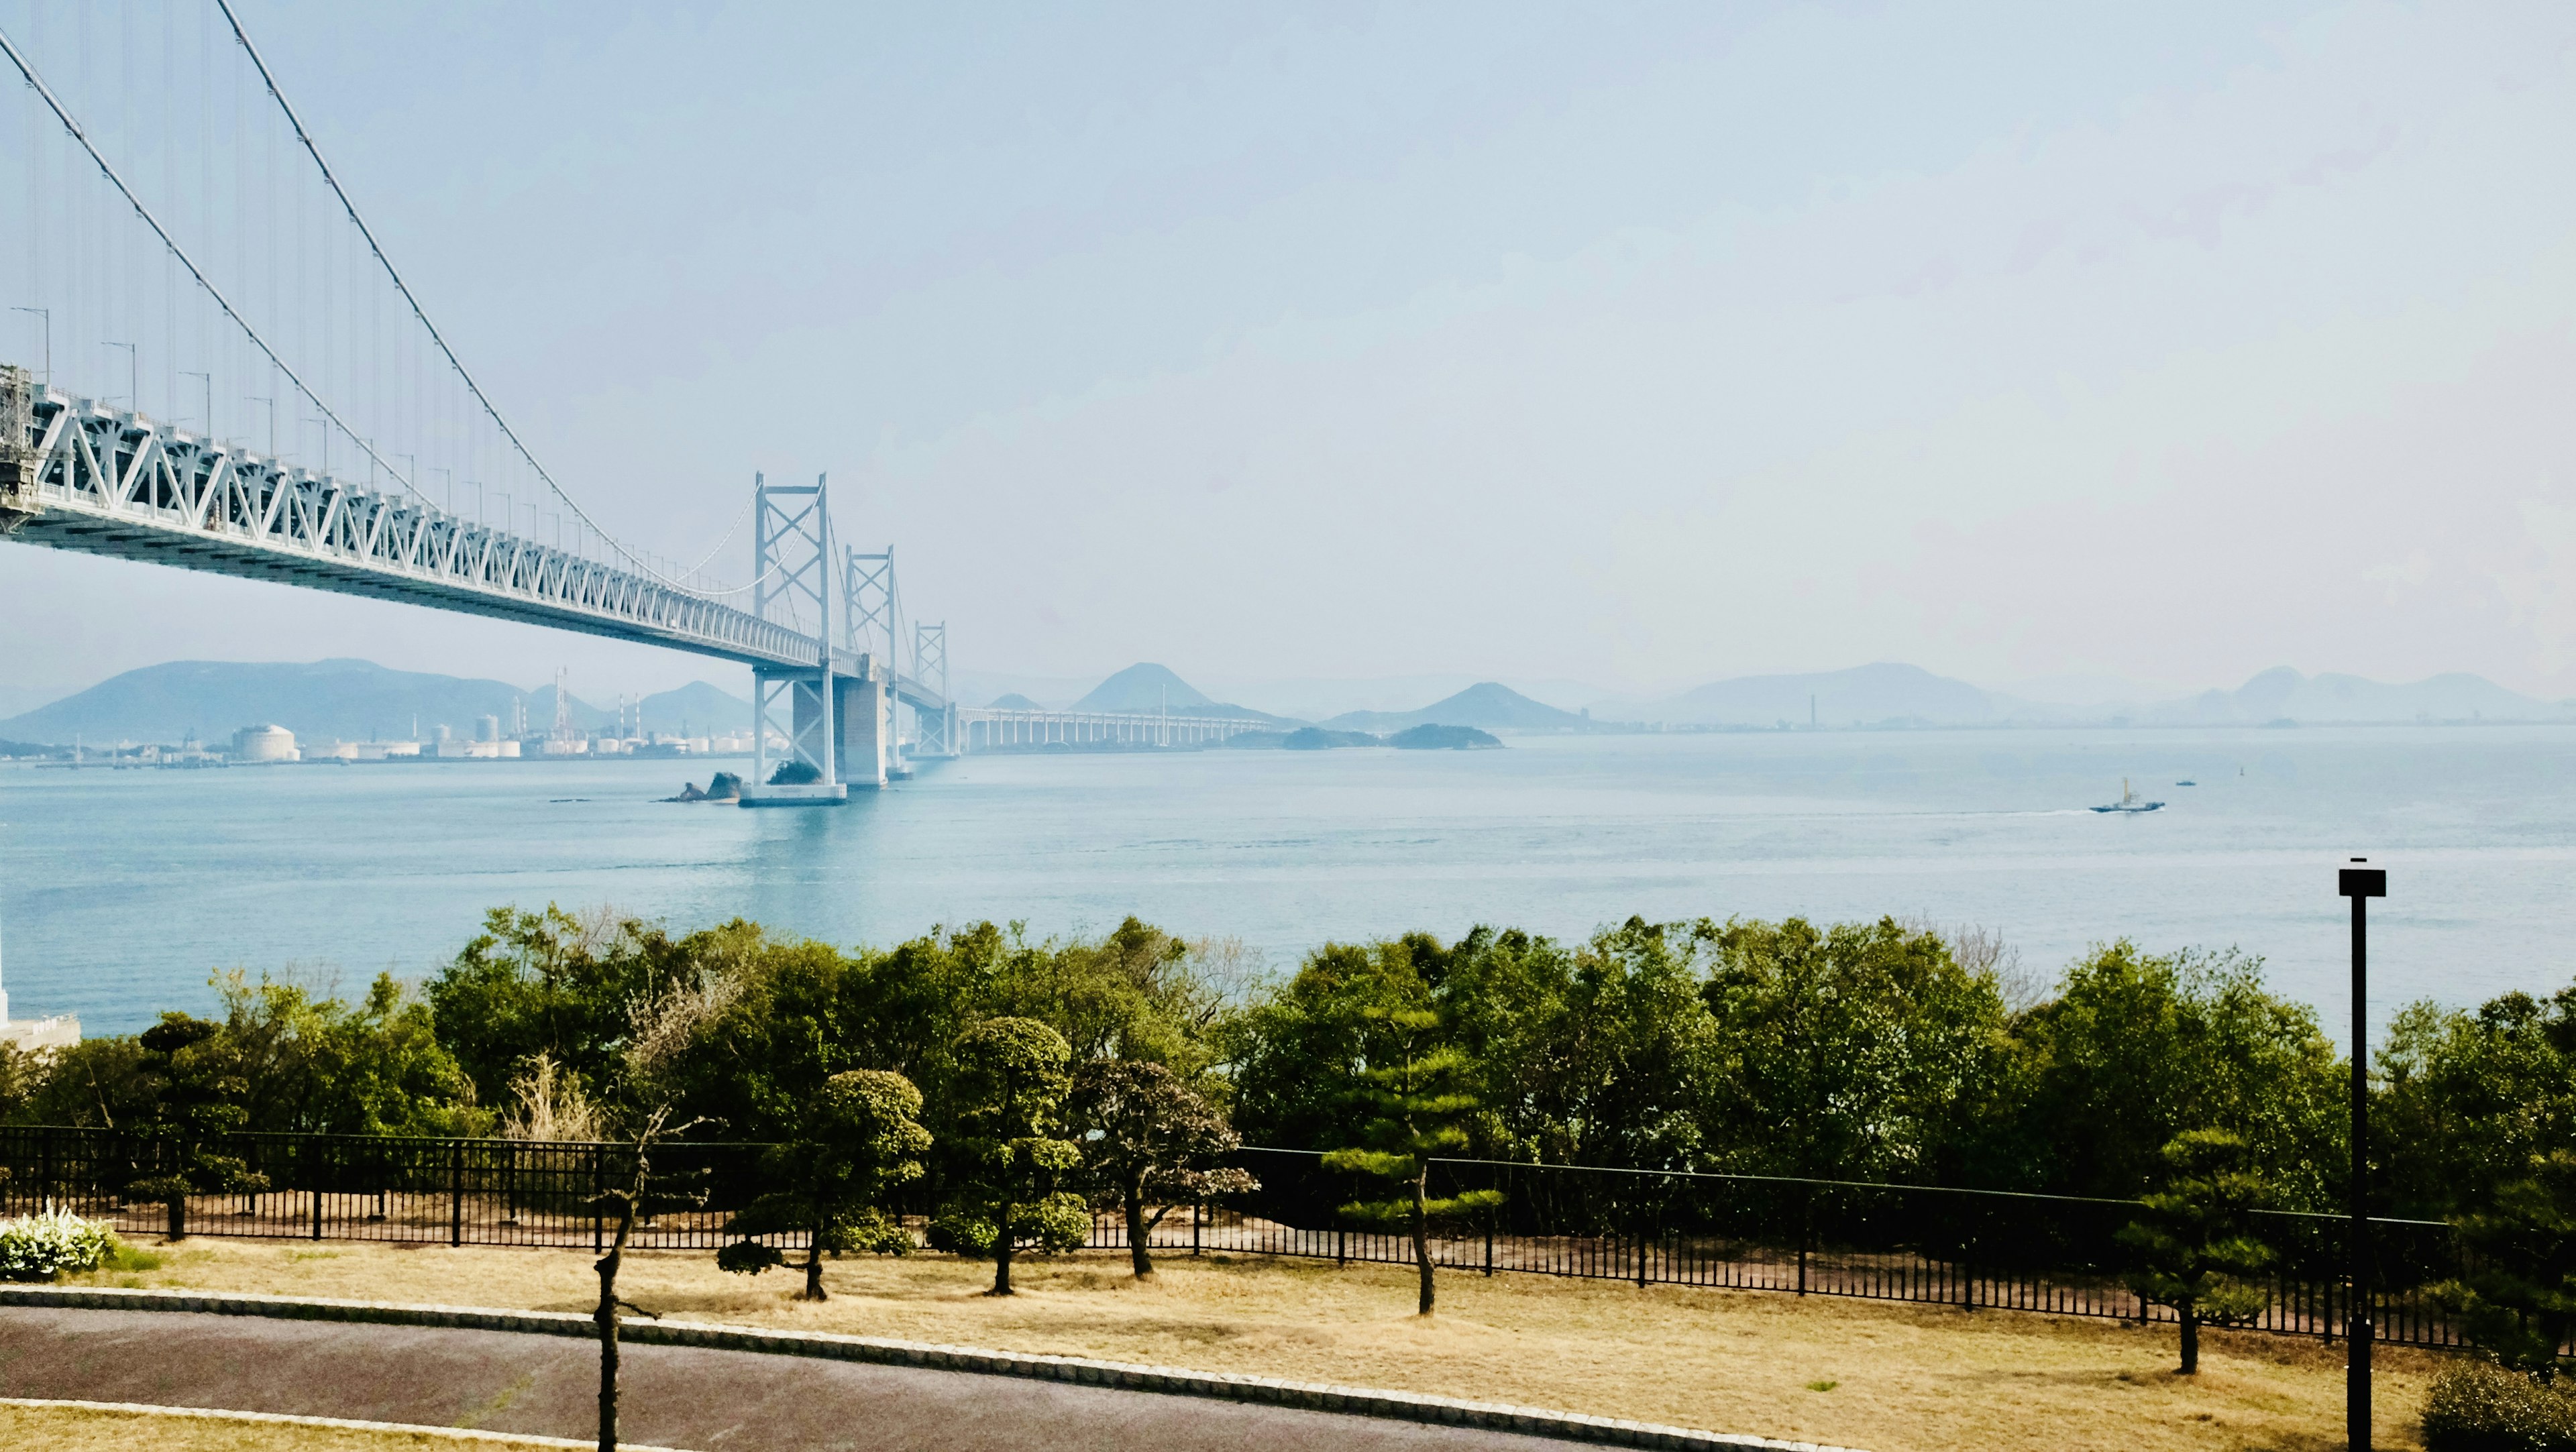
[1897, 1378]
[85, 1429]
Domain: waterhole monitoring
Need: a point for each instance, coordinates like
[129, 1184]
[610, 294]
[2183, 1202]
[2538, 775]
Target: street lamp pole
[134, 375]
[208, 379]
[2360, 882]
[47, 316]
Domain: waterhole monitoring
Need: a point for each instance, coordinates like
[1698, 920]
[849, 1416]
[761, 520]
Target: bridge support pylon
[792, 534]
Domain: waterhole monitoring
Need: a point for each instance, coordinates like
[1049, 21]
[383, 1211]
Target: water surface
[121, 891]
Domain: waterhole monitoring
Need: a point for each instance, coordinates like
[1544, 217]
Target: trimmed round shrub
[41, 1247]
[2478, 1406]
[962, 1232]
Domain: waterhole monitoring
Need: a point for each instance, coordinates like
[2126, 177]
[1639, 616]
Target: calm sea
[121, 891]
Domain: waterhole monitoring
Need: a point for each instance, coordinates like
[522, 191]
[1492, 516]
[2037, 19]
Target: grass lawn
[85, 1429]
[1888, 1377]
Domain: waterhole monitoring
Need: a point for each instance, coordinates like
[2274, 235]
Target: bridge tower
[935, 731]
[792, 553]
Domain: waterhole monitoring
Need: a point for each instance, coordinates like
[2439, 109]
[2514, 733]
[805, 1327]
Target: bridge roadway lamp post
[133, 375]
[2360, 882]
[46, 316]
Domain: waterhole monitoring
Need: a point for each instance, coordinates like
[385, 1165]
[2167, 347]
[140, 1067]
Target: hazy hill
[1014, 701]
[1862, 696]
[1143, 687]
[1146, 689]
[1489, 704]
[342, 699]
[2284, 694]
[696, 708]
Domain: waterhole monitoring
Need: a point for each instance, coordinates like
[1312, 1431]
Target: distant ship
[2128, 801]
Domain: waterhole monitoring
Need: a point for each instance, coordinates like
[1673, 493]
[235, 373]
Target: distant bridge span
[76, 474]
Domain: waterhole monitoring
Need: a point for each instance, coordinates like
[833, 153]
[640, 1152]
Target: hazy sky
[1639, 345]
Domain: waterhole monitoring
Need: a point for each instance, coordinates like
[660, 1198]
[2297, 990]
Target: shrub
[41, 1247]
[1057, 1224]
[2478, 1406]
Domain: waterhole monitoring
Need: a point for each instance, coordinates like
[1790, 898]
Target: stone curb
[273, 1419]
[1174, 1381]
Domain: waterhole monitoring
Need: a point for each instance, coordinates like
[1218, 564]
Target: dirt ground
[1888, 1377]
[68, 1429]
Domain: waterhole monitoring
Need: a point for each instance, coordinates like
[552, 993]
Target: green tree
[1149, 1138]
[1294, 1051]
[1602, 1055]
[2197, 1240]
[1011, 1089]
[1135, 995]
[547, 983]
[1858, 1050]
[2136, 1048]
[2468, 1097]
[1414, 1094]
[2520, 1302]
[860, 1138]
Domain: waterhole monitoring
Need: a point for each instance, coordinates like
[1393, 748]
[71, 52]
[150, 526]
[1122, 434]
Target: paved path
[676, 1396]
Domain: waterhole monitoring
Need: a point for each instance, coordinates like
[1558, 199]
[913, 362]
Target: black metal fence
[363, 1187]
[1967, 1248]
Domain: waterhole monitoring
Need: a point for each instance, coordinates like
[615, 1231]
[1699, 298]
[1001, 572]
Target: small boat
[2128, 801]
[2186, 783]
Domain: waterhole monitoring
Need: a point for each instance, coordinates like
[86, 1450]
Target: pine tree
[857, 1139]
[2197, 1241]
[1417, 1102]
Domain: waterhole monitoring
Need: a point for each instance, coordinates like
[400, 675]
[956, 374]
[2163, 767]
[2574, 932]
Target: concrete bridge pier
[865, 715]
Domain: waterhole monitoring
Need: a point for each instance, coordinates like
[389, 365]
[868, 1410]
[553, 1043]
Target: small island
[1431, 736]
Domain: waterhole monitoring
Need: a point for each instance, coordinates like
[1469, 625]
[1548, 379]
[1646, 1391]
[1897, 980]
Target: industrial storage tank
[264, 743]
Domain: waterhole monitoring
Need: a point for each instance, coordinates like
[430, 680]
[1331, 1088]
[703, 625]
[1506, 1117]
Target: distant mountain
[1146, 689]
[342, 699]
[1489, 704]
[1867, 695]
[2283, 694]
[697, 708]
[1015, 702]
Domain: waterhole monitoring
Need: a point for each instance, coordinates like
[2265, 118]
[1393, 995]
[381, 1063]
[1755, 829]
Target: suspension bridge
[131, 242]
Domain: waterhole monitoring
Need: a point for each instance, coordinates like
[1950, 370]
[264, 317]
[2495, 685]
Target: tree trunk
[1137, 1230]
[1422, 1237]
[1002, 1238]
[2190, 1340]
[606, 1319]
[814, 1264]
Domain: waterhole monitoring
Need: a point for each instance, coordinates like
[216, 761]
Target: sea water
[122, 891]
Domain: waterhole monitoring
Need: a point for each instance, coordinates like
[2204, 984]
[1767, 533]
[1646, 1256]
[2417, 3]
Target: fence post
[1968, 1264]
[456, 1193]
[1489, 1239]
[1198, 1213]
[1341, 1245]
[44, 1170]
[1645, 1232]
[1806, 1226]
[598, 1185]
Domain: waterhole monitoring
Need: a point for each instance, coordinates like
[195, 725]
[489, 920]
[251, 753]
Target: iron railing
[1973, 1249]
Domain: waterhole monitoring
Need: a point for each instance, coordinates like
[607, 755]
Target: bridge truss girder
[85, 477]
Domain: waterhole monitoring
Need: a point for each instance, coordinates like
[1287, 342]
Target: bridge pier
[866, 721]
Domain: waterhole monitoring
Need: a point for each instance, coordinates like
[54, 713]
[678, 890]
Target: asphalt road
[676, 1396]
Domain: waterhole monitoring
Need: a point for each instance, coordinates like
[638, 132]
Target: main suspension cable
[635, 560]
[61, 113]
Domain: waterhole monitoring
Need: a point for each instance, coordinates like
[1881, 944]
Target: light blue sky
[1636, 345]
